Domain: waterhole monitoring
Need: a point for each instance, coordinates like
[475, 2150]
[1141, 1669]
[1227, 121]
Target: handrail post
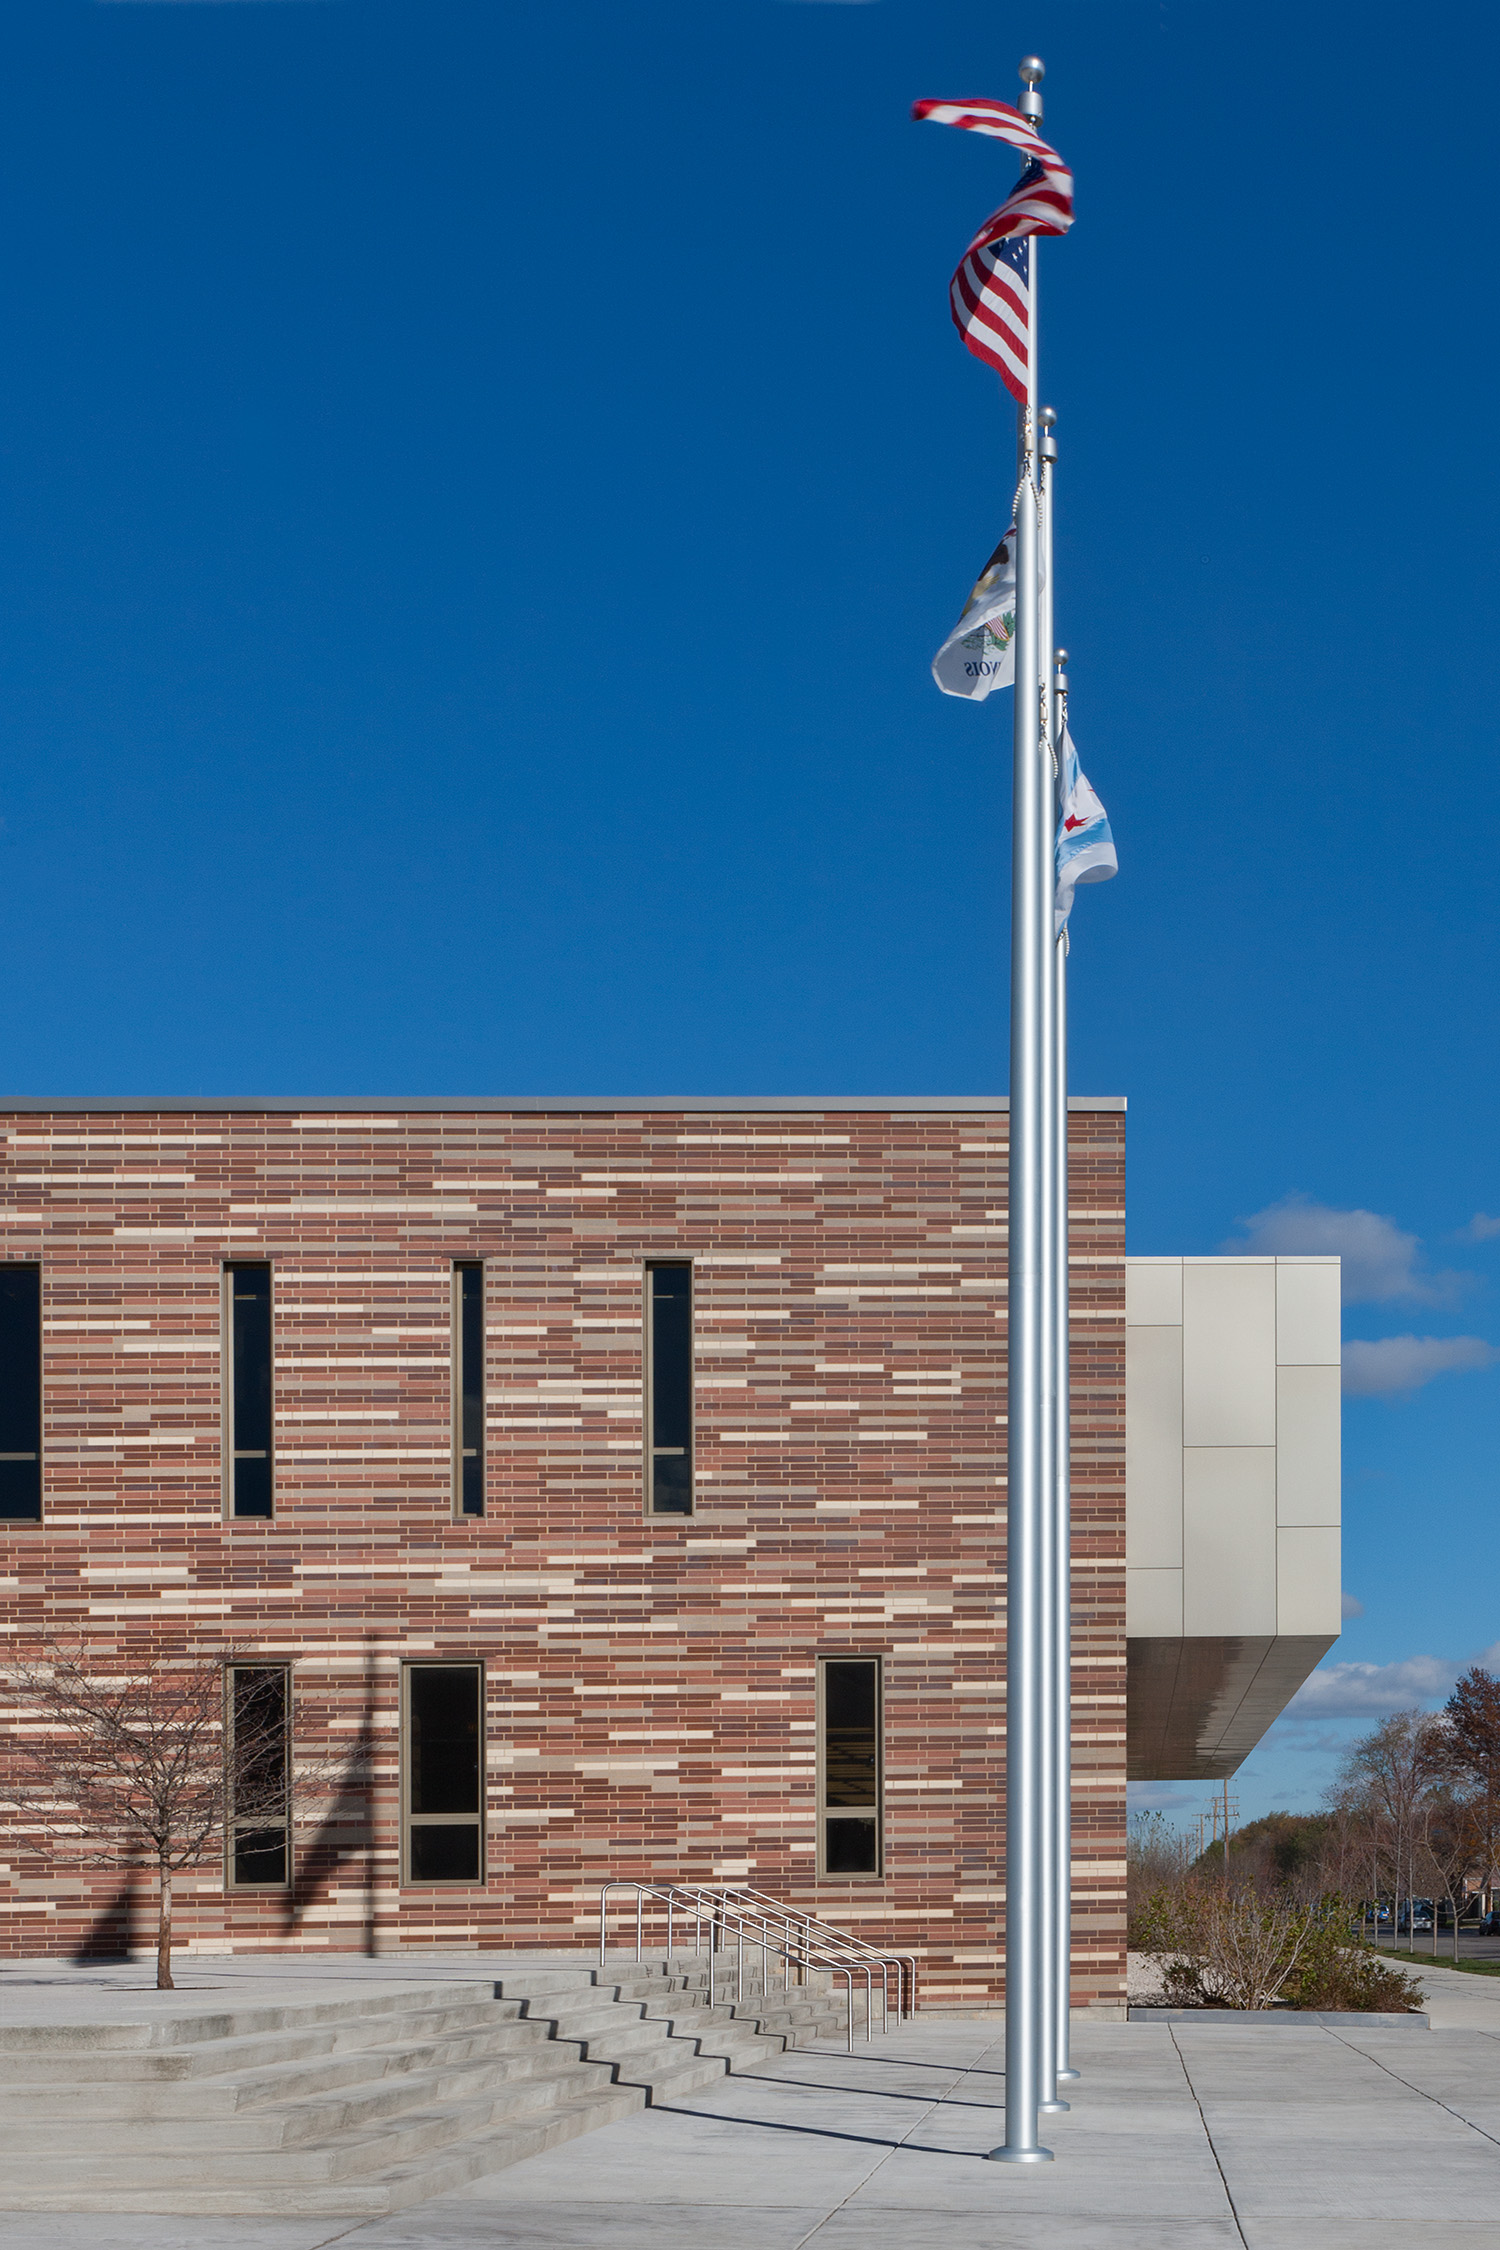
[603, 1909]
[640, 1906]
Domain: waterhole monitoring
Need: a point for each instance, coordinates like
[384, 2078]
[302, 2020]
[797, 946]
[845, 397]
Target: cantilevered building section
[1232, 1501]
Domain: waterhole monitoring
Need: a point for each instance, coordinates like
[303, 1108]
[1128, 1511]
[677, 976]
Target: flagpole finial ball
[1048, 417]
[1032, 70]
[1060, 658]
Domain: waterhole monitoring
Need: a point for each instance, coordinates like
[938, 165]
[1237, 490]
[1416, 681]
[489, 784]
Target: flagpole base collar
[1067, 2072]
[1020, 2156]
[1052, 2109]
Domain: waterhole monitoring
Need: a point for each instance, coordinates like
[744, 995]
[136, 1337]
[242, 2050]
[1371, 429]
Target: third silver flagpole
[1030, 969]
[1062, 1515]
[1052, 1282]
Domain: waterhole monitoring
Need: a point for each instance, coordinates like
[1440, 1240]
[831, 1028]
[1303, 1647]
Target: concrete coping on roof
[551, 1105]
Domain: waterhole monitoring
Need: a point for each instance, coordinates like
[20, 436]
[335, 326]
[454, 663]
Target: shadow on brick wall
[113, 1933]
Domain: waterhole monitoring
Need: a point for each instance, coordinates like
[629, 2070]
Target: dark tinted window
[20, 1393]
[849, 1762]
[468, 1293]
[249, 1288]
[669, 1404]
[850, 1848]
[445, 1855]
[444, 1773]
[260, 1709]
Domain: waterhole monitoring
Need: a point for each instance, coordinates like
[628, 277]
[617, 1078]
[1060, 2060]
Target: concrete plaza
[1182, 2137]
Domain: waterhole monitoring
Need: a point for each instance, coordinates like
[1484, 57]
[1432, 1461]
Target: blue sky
[480, 486]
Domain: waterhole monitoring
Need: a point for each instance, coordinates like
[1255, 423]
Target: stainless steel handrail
[831, 1946]
[722, 1921]
[864, 1958]
[906, 1962]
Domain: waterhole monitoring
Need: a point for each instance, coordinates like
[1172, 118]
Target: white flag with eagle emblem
[979, 654]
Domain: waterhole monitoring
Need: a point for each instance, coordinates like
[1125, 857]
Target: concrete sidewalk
[1182, 2137]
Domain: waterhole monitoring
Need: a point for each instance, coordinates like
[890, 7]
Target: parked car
[1416, 1915]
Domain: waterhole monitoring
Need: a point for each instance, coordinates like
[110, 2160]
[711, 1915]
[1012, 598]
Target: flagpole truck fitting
[1031, 71]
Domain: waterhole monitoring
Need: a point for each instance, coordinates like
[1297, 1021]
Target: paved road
[1189, 2137]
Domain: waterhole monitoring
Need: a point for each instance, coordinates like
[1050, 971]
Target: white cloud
[1380, 1261]
[1347, 1691]
[1481, 1228]
[1349, 1607]
[1405, 1363]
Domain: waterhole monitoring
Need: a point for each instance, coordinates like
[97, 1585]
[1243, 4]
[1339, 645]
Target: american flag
[991, 292]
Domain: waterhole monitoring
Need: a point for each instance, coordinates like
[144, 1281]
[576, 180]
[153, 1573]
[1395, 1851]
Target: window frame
[648, 1387]
[409, 1819]
[35, 1520]
[876, 1873]
[226, 1386]
[461, 1266]
[232, 1882]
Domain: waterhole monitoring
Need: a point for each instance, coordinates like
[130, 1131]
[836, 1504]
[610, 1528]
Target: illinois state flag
[979, 654]
[1085, 844]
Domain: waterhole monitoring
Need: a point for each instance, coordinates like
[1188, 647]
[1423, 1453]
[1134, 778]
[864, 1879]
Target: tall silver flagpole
[1030, 966]
[1047, 1634]
[1062, 1514]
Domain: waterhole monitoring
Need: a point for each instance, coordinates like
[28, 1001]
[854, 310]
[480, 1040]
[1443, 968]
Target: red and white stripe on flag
[990, 293]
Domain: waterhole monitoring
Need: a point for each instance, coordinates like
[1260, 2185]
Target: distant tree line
[1281, 1916]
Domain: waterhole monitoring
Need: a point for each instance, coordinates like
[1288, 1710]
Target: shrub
[1336, 1969]
[1234, 1949]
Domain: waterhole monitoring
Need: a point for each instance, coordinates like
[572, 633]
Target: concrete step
[238, 2047]
[174, 2030]
[295, 2113]
[518, 2048]
[395, 2187]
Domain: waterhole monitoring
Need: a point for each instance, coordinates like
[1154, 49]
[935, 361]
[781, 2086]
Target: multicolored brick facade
[649, 1681]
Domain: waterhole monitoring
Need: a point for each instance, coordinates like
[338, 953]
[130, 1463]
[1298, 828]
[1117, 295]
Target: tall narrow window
[669, 1390]
[849, 1776]
[468, 1390]
[444, 1774]
[259, 1714]
[247, 1358]
[20, 1394]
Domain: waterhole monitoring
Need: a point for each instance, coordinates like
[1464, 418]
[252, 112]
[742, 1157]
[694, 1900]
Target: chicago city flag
[979, 654]
[1085, 846]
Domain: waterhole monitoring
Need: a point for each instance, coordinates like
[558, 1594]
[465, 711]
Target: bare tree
[1156, 1857]
[1473, 1715]
[1390, 1772]
[1454, 1838]
[142, 1764]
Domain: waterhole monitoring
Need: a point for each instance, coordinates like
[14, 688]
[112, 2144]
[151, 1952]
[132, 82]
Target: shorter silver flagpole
[1047, 1638]
[1062, 1699]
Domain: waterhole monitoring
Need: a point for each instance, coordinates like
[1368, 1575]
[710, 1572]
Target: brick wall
[650, 1683]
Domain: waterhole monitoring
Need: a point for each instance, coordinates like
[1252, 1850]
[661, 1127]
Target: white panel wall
[1232, 1446]
[1228, 1352]
[1229, 1539]
[1153, 1446]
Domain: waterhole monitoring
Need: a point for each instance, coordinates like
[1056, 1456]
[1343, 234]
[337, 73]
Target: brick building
[647, 1454]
